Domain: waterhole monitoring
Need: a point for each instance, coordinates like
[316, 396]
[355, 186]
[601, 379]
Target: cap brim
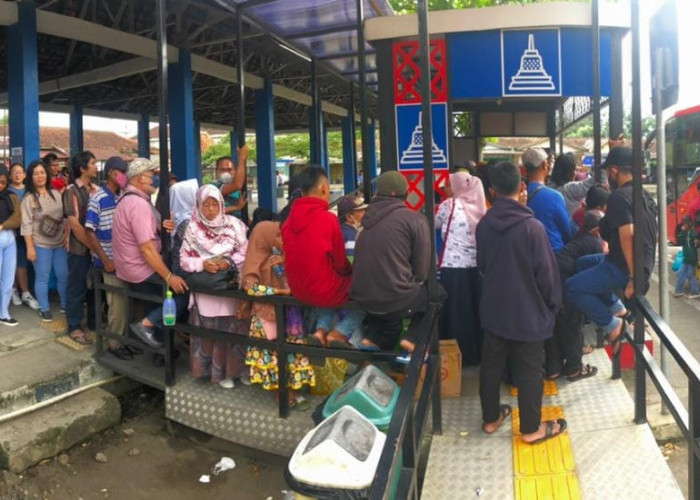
[361, 207]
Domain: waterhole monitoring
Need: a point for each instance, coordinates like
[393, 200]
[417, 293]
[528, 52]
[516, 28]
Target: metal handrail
[688, 420]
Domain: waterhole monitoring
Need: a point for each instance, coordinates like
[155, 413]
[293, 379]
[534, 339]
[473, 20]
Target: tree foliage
[411, 6]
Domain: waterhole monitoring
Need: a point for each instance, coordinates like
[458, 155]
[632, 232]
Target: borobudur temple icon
[531, 75]
[414, 152]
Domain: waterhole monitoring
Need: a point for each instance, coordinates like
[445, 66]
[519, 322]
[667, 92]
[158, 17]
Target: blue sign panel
[531, 63]
[409, 136]
[525, 63]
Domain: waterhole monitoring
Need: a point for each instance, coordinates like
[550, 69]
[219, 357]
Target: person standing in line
[230, 180]
[548, 204]
[75, 203]
[98, 226]
[562, 180]
[10, 219]
[519, 269]
[686, 238]
[44, 234]
[17, 177]
[457, 218]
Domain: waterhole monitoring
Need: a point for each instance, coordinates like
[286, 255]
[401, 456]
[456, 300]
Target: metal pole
[665, 307]
[367, 186]
[163, 199]
[317, 142]
[240, 75]
[640, 411]
[595, 33]
[427, 125]
[353, 145]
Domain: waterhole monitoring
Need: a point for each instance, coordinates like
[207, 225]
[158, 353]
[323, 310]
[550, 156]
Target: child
[686, 238]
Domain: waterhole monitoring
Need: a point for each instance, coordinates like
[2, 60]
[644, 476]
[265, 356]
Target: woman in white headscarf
[182, 200]
[457, 218]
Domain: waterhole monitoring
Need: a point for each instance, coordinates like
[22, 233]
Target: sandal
[506, 410]
[300, 404]
[552, 377]
[79, 337]
[339, 344]
[616, 341]
[586, 371]
[549, 431]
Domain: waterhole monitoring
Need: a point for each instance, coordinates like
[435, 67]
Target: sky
[689, 73]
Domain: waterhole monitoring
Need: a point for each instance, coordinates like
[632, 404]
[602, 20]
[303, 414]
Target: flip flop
[339, 344]
[314, 341]
[586, 371]
[616, 343]
[505, 412]
[81, 339]
[301, 404]
[549, 431]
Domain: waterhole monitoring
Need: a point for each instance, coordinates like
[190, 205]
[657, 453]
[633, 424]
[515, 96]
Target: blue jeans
[8, 264]
[349, 320]
[48, 259]
[686, 272]
[592, 292]
[77, 292]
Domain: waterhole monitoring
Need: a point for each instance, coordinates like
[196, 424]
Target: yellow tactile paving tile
[554, 456]
[551, 487]
[550, 388]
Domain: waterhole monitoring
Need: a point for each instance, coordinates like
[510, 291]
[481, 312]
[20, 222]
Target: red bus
[682, 165]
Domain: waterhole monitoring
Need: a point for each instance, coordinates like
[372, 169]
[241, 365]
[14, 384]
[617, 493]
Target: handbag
[48, 226]
[223, 280]
[678, 262]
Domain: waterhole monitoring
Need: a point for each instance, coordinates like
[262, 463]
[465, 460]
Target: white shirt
[460, 250]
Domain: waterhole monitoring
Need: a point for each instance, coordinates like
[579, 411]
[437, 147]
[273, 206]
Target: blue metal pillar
[144, 136]
[315, 118]
[76, 130]
[198, 145]
[233, 139]
[349, 176]
[180, 103]
[372, 133]
[23, 83]
[265, 142]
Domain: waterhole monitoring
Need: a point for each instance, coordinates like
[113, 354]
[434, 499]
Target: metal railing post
[96, 282]
[437, 389]
[693, 437]
[283, 390]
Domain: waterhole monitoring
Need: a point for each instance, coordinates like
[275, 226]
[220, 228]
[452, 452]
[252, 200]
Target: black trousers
[526, 362]
[563, 352]
[385, 330]
[460, 315]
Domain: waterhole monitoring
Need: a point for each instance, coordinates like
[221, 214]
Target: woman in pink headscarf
[456, 219]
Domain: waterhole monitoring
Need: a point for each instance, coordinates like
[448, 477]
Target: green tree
[411, 6]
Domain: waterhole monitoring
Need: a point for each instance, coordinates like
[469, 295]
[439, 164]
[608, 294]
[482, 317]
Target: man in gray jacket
[392, 260]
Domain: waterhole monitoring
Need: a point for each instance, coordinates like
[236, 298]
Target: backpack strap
[534, 192]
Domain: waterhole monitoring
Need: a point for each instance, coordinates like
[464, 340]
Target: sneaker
[678, 294]
[30, 301]
[694, 296]
[46, 316]
[227, 383]
[245, 380]
[9, 321]
[62, 311]
[146, 334]
[16, 299]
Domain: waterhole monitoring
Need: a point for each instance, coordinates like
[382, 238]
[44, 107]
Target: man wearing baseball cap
[392, 260]
[98, 224]
[547, 203]
[136, 243]
[593, 290]
[351, 210]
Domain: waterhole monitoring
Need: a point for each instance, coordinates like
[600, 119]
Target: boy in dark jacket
[563, 352]
[520, 273]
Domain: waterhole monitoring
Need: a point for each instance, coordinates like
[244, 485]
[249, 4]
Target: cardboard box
[450, 370]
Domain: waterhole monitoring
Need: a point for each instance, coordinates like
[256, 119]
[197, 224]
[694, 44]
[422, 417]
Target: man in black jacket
[520, 275]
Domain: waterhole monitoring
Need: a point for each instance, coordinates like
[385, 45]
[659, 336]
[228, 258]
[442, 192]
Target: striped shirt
[100, 213]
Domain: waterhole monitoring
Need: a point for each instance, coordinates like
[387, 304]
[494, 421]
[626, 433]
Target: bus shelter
[495, 72]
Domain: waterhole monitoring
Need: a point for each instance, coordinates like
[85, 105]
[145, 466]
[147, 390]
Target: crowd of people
[553, 247]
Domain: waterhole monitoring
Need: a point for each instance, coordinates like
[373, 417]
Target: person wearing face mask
[137, 250]
[593, 290]
[98, 225]
[230, 181]
[351, 210]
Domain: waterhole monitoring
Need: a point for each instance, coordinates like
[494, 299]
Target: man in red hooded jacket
[318, 270]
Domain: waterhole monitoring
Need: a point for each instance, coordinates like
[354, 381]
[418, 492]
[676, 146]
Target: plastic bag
[678, 262]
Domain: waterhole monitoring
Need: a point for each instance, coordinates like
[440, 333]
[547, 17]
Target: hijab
[210, 238]
[469, 191]
[257, 268]
[182, 200]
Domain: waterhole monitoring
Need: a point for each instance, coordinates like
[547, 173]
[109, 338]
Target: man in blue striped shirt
[98, 223]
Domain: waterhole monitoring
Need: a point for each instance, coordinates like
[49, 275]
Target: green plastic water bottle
[169, 310]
